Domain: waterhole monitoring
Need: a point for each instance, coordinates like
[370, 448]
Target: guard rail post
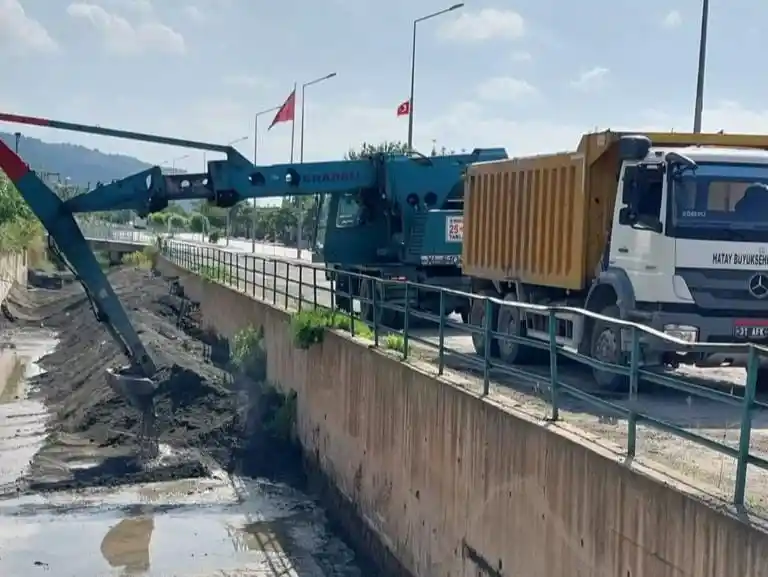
[745, 434]
[487, 349]
[634, 383]
[553, 373]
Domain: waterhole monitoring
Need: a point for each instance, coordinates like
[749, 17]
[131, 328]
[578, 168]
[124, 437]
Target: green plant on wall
[248, 354]
[308, 326]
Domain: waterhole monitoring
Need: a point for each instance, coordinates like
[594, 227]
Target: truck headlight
[685, 333]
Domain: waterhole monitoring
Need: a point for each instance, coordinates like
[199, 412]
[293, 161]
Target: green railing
[297, 285]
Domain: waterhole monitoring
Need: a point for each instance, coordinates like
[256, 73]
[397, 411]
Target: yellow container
[543, 220]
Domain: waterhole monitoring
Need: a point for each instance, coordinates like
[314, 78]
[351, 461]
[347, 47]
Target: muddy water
[220, 525]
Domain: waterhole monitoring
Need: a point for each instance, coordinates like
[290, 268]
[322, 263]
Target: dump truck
[668, 230]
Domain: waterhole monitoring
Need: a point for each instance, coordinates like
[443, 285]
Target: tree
[387, 147]
[198, 223]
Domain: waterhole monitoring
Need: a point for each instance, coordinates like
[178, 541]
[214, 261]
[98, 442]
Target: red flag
[287, 111]
[404, 109]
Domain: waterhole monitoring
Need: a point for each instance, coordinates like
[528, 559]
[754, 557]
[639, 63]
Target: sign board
[454, 229]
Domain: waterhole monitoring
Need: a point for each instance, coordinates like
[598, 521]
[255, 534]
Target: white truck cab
[690, 233]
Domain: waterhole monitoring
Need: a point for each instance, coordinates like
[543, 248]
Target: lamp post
[702, 65]
[413, 65]
[300, 231]
[255, 157]
[229, 212]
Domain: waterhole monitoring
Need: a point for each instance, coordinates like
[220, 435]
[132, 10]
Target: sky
[530, 76]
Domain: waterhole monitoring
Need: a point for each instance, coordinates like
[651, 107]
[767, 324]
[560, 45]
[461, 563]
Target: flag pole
[293, 122]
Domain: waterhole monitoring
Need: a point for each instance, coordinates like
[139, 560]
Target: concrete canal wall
[450, 485]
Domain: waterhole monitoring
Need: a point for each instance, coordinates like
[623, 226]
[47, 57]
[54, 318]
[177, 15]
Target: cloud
[591, 79]
[521, 56]
[487, 24]
[673, 19]
[505, 89]
[122, 37]
[194, 14]
[22, 34]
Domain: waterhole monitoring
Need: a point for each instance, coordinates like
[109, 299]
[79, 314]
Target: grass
[308, 326]
[145, 259]
[214, 273]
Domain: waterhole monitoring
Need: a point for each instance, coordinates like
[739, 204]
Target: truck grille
[724, 290]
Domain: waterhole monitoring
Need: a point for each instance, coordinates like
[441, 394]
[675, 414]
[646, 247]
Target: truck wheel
[510, 322]
[477, 319]
[343, 301]
[762, 380]
[605, 346]
[386, 317]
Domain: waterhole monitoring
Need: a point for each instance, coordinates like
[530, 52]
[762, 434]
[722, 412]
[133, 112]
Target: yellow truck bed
[543, 219]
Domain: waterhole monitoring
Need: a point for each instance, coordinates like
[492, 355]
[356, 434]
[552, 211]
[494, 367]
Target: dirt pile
[196, 406]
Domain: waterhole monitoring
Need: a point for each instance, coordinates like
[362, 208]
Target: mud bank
[73, 444]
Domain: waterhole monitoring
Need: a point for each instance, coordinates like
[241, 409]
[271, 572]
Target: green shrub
[214, 237]
[247, 352]
[395, 342]
[308, 327]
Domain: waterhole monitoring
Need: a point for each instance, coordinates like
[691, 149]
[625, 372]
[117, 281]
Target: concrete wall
[457, 487]
[13, 270]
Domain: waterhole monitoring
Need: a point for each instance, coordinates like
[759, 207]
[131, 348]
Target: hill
[80, 164]
[83, 166]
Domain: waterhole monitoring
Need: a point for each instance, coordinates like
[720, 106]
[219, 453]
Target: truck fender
[618, 280]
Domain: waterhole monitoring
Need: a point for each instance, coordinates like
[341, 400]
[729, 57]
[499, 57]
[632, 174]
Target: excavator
[403, 208]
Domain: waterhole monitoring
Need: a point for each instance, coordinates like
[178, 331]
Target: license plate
[749, 331]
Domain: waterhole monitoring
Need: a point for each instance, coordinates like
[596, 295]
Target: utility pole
[698, 110]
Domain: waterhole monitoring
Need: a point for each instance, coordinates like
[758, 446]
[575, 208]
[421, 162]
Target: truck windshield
[722, 198]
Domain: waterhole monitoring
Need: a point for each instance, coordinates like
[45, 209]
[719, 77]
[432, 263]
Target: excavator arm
[224, 184]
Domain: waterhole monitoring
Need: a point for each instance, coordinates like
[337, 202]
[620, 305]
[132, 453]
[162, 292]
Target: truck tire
[386, 317]
[605, 345]
[477, 319]
[510, 322]
[342, 285]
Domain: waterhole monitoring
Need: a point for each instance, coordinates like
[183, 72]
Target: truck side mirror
[630, 185]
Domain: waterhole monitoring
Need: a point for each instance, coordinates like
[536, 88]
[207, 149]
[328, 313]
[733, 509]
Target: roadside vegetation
[19, 228]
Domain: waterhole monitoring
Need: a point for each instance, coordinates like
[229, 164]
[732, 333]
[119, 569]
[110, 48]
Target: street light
[255, 158]
[173, 162]
[303, 88]
[300, 231]
[413, 65]
[702, 65]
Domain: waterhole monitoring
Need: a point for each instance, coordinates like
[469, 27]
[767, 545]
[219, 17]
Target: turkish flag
[404, 109]
[287, 111]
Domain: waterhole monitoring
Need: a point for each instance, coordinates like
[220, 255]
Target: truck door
[351, 235]
[640, 251]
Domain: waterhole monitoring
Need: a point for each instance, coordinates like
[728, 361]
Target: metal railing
[116, 233]
[299, 286]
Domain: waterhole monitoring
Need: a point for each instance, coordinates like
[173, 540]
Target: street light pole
[702, 66]
[413, 65]
[300, 231]
[255, 157]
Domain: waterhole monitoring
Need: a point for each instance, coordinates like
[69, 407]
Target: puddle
[22, 420]
[191, 527]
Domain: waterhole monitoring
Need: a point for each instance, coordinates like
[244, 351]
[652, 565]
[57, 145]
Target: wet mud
[223, 497]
